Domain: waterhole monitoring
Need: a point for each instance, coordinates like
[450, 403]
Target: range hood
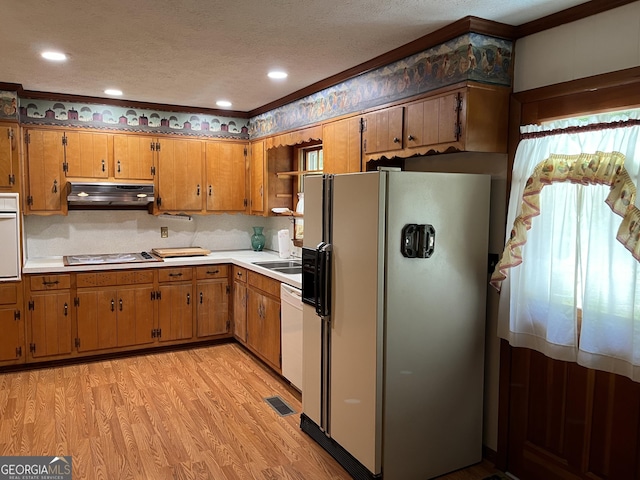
[108, 195]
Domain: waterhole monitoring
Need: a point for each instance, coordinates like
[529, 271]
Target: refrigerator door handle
[323, 281]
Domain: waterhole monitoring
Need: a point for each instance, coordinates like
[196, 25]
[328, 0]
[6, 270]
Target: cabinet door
[134, 157]
[257, 178]
[50, 324]
[11, 340]
[8, 157]
[45, 155]
[212, 310]
[226, 174]
[86, 154]
[180, 178]
[433, 121]
[382, 130]
[97, 319]
[263, 326]
[135, 316]
[341, 145]
[175, 312]
[240, 311]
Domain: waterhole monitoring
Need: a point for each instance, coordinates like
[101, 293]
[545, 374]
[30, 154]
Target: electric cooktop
[99, 259]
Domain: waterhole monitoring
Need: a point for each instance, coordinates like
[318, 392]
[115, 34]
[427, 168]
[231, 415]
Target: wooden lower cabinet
[212, 300]
[263, 318]
[175, 304]
[49, 316]
[12, 348]
[239, 275]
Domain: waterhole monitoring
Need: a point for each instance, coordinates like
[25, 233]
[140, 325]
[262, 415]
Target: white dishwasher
[291, 330]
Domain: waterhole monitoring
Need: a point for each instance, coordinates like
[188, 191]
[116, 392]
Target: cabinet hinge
[10, 135]
[153, 170]
[363, 125]
[77, 342]
[32, 305]
[364, 145]
[159, 201]
[153, 146]
[76, 301]
[153, 296]
[245, 202]
[228, 289]
[16, 315]
[64, 139]
[158, 295]
[458, 102]
[12, 179]
[159, 332]
[157, 146]
[245, 151]
[27, 138]
[32, 347]
[18, 352]
[153, 333]
[65, 167]
[29, 200]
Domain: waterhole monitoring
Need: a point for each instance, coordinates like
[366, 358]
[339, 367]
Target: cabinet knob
[396, 140]
[201, 298]
[103, 166]
[198, 191]
[118, 166]
[210, 190]
[113, 305]
[188, 299]
[410, 138]
[120, 304]
[55, 186]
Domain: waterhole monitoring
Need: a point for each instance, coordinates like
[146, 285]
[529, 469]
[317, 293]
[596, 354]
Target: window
[310, 160]
[575, 248]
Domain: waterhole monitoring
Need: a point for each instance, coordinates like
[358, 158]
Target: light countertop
[241, 258]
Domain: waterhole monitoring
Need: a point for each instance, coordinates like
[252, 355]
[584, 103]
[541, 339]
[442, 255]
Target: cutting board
[180, 252]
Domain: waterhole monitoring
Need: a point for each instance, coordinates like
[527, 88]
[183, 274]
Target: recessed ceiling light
[54, 56]
[223, 103]
[277, 74]
[113, 91]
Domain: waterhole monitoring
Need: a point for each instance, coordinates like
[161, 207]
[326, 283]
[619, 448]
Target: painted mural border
[469, 57]
[8, 105]
[124, 119]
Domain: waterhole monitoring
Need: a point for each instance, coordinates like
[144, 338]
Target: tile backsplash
[86, 232]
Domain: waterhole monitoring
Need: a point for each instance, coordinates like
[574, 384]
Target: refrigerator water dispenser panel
[418, 240]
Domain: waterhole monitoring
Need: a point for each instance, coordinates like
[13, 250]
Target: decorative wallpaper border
[8, 105]
[109, 117]
[471, 56]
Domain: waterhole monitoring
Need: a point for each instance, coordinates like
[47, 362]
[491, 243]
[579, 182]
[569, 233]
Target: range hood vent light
[108, 195]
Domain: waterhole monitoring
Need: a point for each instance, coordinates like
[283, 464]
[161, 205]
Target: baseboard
[489, 454]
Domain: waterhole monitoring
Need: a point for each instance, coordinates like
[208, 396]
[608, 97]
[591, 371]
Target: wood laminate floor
[188, 414]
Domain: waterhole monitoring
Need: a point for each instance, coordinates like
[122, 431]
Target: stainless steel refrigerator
[394, 288]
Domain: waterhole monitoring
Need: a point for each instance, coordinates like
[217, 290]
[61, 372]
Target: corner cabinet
[263, 318]
[471, 118]
[9, 157]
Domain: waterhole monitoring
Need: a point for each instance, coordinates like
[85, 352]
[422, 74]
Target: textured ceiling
[193, 53]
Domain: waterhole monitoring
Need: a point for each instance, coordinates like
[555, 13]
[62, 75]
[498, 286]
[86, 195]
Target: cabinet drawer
[9, 294]
[98, 279]
[134, 277]
[50, 282]
[175, 274]
[266, 284]
[212, 271]
[240, 274]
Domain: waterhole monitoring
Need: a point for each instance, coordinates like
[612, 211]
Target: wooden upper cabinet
[382, 130]
[46, 184]
[341, 146]
[86, 155]
[226, 176]
[9, 157]
[180, 175]
[433, 121]
[134, 157]
[256, 201]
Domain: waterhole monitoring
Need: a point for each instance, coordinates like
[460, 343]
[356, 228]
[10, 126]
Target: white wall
[598, 44]
[133, 231]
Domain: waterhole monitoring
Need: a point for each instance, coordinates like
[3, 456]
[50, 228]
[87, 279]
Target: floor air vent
[280, 406]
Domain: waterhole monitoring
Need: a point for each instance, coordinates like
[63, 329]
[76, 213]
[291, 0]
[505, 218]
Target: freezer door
[355, 378]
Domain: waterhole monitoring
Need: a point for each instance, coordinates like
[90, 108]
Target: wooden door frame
[600, 93]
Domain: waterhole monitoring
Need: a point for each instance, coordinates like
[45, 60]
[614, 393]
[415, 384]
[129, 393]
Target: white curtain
[571, 259]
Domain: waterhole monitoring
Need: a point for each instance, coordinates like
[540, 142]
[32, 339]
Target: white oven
[9, 237]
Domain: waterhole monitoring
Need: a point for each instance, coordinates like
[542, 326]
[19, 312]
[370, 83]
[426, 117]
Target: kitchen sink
[288, 267]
